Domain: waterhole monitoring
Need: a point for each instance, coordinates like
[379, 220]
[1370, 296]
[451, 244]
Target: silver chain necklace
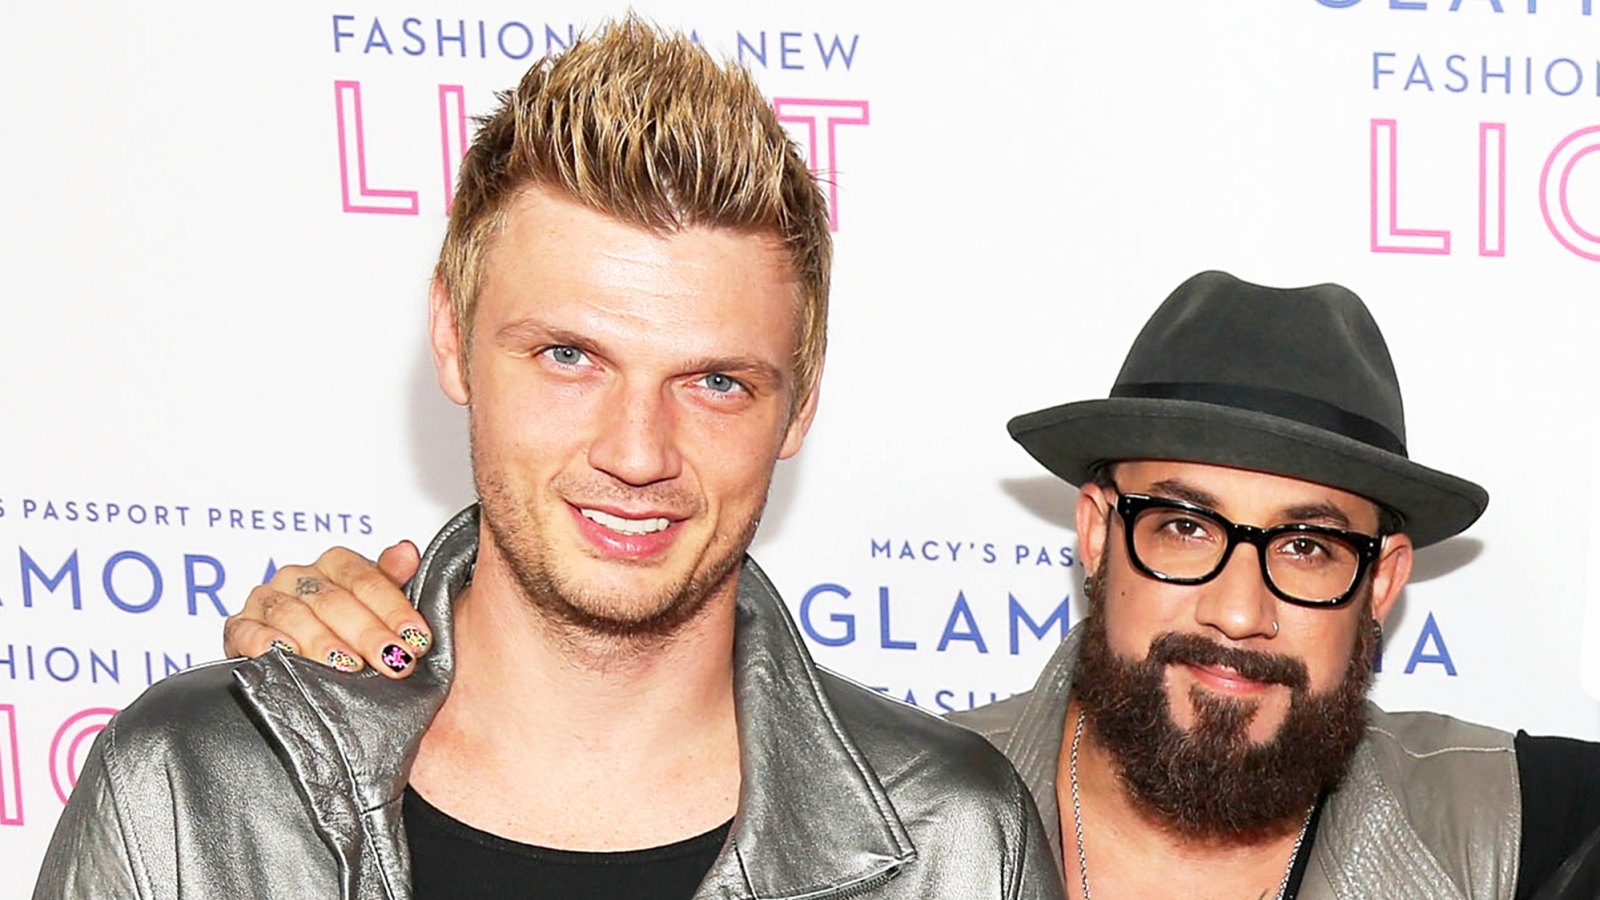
[1077, 823]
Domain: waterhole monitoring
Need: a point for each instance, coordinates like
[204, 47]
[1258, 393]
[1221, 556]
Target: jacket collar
[350, 740]
[813, 817]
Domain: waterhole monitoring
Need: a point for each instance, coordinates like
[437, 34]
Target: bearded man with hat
[1248, 513]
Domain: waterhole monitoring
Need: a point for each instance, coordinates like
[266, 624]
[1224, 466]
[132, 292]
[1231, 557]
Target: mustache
[1192, 649]
[673, 498]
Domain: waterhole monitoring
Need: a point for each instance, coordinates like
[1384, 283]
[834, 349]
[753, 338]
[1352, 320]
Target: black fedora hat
[1295, 382]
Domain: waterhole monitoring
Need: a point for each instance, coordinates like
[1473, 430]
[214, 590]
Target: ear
[800, 422]
[444, 334]
[1094, 510]
[1390, 574]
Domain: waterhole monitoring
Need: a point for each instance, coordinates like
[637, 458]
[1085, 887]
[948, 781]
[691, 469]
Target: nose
[636, 440]
[1238, 602]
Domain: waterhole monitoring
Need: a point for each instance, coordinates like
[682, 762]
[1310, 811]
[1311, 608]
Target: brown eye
[1187, 528]
[1302, 546]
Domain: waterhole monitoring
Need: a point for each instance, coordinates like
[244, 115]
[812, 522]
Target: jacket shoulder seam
[1439, 751]
[994, 736]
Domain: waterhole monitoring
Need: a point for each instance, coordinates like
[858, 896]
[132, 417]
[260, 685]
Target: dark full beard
[1212, 782]
[577, 611]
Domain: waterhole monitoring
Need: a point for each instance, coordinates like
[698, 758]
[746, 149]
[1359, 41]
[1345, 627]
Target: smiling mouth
[1226, 677]
[626, 526]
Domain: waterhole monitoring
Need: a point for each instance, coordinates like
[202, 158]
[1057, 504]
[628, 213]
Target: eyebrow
[1322, 512]
[1174, 489]
[1316, 512]
[528, 330]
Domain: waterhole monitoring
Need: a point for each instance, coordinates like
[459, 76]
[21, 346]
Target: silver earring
[1088, 584]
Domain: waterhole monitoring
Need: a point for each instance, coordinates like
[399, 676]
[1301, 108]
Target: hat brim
[1071, 439]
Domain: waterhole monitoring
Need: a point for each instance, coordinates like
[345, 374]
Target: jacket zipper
[867, 885]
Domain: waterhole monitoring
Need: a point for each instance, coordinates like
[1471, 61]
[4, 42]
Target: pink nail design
[395, 657]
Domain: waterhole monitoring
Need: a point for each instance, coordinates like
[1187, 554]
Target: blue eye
[720, 383]
[567, 356]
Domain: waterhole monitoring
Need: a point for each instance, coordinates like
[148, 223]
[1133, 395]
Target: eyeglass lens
[1185, 545]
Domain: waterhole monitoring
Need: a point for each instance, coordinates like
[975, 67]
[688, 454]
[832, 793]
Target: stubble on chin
[581, 615]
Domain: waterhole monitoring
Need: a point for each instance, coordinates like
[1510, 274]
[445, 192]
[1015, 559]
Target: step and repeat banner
[220, 222]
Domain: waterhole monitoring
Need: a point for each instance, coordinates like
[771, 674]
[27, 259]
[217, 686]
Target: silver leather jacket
[277, 777]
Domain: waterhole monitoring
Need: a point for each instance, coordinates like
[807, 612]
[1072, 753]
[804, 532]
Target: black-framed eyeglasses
[1182, 543]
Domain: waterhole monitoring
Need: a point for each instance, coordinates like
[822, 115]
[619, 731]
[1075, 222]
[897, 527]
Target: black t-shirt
[1560, 808]
[454, 861]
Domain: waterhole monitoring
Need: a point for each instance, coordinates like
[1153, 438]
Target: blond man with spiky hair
[631, 301]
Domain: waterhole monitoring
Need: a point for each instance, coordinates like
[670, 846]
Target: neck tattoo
[1077, 823]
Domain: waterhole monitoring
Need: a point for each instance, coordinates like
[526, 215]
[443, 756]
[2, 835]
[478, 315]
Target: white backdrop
[220, 221]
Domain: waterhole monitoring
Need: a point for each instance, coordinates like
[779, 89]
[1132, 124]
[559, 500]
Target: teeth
[625, 526]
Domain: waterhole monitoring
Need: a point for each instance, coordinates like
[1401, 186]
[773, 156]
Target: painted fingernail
[343, 661]
[416, 637]
[395, 657]
[281, 644]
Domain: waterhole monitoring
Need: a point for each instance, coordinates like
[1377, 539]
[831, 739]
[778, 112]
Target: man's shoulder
[194, 715]
[908, 744]
[968, 814]
[1437, 789]
[184, 787]
[1427, 734]
[1435, 759]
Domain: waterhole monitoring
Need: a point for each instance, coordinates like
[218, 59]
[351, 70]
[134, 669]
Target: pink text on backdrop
[1555, 195]
[1556, 191]
[69, 747]
[358, 196]
[819, 120]
[10, 768]
[822, 147]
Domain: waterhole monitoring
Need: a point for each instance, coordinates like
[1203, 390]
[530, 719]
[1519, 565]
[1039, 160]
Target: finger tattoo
[307, 586]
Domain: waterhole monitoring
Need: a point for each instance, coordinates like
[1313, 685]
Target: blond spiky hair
[646, 127]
